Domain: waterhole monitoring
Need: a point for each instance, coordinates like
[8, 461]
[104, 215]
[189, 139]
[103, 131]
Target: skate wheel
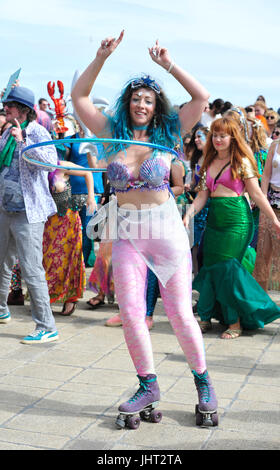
[120, 423]
[133, 422]
[156, 416]
[198, 419]
[215, 419]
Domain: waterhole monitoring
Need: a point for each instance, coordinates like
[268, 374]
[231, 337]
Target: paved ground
[65, 395]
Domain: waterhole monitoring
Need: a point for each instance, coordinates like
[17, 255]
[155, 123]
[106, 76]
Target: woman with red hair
[227, 291]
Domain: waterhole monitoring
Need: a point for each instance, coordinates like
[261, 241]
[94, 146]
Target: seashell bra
[153, 174]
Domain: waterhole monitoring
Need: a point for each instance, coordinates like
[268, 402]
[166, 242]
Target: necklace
[139, 128]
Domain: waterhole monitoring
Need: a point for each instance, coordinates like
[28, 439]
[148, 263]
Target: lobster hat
[21, 95]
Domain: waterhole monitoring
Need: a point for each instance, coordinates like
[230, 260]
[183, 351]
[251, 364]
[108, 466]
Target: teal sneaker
[5, 317]
[40, 336]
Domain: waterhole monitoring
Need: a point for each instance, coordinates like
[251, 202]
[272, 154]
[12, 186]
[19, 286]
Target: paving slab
[65, 395]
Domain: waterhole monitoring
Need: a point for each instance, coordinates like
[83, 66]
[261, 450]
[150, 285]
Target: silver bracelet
[170, 67]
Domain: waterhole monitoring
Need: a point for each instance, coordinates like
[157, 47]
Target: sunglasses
[270, 117]
[277, 133]
[146, 81]
[10, 104]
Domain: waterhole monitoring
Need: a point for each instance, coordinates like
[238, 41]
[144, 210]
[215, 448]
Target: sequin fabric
[65, 200]
[153, 174]
[246, 171]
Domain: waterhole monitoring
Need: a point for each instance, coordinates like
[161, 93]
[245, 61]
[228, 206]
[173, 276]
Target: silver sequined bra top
[65, 200]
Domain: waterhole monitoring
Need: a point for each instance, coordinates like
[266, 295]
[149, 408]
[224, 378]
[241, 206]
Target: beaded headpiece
[147, 81]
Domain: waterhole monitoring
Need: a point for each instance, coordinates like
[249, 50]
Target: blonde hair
[261, 104]
[271, 112]
[258, 135]
[239, 149]
[239, 114]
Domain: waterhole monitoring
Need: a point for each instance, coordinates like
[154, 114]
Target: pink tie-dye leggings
[130, 274]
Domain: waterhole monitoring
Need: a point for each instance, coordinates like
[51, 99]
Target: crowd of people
[224, 178]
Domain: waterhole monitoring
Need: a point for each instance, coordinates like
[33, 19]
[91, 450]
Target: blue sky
[231, 46]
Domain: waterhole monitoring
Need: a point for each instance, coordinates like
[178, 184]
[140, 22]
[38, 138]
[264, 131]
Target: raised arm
[88, 113]
[78, 171]
[191, 112]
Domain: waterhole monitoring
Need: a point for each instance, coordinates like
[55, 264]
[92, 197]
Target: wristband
[170, 67]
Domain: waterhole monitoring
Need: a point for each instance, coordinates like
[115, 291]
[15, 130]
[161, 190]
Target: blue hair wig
[164, 129]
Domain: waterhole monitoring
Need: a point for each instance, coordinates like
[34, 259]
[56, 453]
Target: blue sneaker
[5, 317]
[40, 336]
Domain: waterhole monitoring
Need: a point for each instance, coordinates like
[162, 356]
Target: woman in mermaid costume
[256, 137]
[227, 291]
[149, 229]
[64, 262]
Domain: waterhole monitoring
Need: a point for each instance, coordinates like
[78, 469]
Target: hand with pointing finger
[108, 46]
[160, 55]
[16, 132]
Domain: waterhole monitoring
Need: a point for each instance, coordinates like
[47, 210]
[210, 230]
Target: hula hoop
[92, 140]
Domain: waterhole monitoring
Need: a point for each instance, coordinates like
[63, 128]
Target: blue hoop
[93, 140]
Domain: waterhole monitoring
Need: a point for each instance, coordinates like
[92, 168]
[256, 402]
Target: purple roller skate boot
[206, 410]
[143, 402]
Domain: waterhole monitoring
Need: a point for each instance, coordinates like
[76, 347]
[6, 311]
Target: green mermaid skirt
[227, 291]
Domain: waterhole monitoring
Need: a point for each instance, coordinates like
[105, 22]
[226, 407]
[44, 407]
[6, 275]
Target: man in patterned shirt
[25, 205]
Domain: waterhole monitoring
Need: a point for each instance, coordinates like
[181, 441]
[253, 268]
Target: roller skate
[142, 405]
[206, 410]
